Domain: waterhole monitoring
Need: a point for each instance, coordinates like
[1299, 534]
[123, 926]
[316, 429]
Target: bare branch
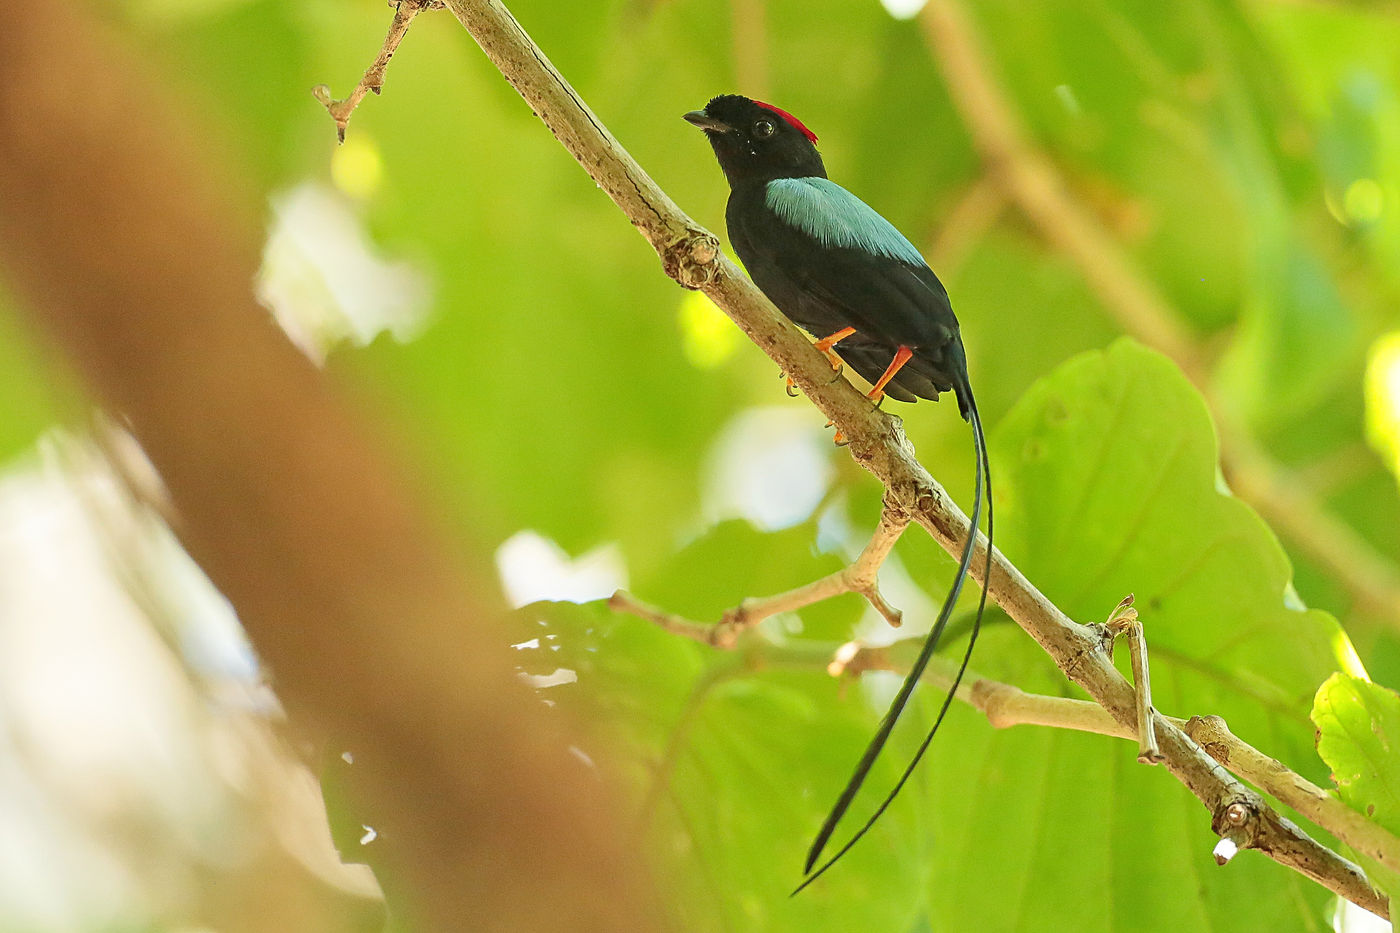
[691, 256]
[1273, 777]
[858, 577]
[373, 80]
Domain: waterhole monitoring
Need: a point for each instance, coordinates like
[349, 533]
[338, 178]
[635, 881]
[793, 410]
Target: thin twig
[690, 254]
[1030, 178]
[373, 80]
[859, 576]
[1124, 621]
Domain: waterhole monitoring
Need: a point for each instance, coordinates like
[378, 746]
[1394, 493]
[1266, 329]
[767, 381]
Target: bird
[844, 274]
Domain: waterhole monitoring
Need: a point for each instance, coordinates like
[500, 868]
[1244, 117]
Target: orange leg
[901, 356]
[826, 343]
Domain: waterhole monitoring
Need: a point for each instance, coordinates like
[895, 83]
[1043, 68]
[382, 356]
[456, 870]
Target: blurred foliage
[1247, 155]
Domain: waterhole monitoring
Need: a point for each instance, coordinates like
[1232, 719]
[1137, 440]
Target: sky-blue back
[836, 218]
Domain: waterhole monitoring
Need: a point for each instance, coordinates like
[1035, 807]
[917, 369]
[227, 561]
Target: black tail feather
[983, 481]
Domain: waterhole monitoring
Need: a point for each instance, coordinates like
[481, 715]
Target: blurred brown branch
[128, 240]
[1031, 181]
[691, 256]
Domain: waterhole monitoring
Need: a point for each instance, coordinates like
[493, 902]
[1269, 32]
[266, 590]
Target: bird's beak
[708, 123]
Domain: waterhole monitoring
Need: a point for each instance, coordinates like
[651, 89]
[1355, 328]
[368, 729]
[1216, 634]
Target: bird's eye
[763, 129]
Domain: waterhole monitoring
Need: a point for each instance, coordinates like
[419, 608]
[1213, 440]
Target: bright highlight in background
[1383, 399]
[771, 466]
[903, 9]
[708, 338]
[356, 167]
[1361, 204]
[533, 567]
[1364, 201]
[325, 281]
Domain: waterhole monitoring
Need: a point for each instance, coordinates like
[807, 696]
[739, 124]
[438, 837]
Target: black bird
[845, 275]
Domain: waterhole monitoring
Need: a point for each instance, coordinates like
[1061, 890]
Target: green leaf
[1358, 735]
[731, 770]
[1108, 486]
[734, 560]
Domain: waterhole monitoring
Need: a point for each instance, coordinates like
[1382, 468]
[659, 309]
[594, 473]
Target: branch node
[852, 659]
[692, 258]
[1212, 734]
[1237, 817]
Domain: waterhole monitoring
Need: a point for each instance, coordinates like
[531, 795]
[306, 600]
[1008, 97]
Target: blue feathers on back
[836, 218]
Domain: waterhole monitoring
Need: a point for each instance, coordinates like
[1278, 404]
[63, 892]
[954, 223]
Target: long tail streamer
[983, 480]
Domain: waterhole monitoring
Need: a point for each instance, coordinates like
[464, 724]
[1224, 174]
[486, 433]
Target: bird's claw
[840, 439]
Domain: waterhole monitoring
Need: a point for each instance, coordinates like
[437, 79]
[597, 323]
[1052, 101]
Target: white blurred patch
[771, 466]
[561, 675]
[533, 567]
[903, 9]
[1352, 919]
[135, 755]
[324, 281]
[1225, 850]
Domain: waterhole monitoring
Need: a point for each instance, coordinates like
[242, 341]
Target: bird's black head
[755, 141]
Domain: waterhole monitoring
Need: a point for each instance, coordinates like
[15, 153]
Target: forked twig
[860, 576]
[373, 80]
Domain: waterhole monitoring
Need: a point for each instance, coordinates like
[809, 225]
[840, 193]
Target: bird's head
[755, 141]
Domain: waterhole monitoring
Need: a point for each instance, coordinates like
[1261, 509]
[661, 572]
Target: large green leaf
[731, 770]
[1109, 486]
[1106, 484]
[1358, 735]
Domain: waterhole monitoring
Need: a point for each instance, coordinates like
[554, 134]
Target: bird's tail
[983, 481]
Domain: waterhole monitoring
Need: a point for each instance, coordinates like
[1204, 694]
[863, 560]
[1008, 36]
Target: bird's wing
[833, 260]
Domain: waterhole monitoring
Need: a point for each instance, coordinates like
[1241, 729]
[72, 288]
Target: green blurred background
[586, 425]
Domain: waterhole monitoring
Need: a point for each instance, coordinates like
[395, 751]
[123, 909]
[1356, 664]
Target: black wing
[823, 289]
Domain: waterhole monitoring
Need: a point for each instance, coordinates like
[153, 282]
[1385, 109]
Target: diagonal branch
[1030, 179]
[691, 256]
